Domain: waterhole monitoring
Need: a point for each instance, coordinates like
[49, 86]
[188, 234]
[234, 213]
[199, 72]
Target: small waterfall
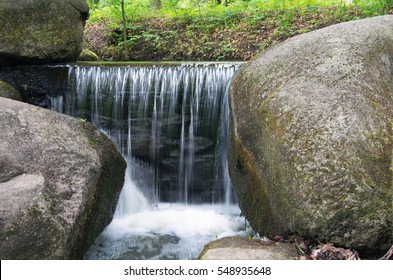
[170, 122]
[171, 125]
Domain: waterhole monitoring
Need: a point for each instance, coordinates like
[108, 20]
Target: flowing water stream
[171, 124]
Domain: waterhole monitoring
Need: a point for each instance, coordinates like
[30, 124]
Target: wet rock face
[311, 136]
[8, 91]
[60, 179]
[42, 31]
[36, 83]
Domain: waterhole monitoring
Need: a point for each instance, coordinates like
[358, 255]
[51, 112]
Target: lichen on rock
[311, 118]
[42, 31]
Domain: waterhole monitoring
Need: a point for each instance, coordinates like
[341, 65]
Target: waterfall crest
[171, 125]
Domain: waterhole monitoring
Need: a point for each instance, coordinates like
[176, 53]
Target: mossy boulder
[60, 179]
[8, 91]
[311, 138]
[88, 55]
[42, 31]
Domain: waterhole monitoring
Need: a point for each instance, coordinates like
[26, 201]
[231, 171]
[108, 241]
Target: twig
[388, 255]
[300, 249]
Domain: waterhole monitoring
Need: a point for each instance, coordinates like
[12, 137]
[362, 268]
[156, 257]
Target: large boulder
[60, 179]
[41, 31]
[311, 136]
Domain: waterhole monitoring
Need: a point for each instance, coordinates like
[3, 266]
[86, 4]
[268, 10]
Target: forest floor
[229, 37]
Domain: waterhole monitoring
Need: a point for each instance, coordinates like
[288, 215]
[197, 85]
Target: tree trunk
[123, 15]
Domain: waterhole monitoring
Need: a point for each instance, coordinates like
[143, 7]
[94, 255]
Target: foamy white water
[180, 220]
[166, 232]
[131, 199]
[142, 229]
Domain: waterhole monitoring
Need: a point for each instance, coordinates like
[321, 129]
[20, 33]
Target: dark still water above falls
[171, 124]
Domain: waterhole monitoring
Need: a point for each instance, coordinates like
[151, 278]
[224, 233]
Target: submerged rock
[60, 179]
[42, 31]
[239, 248]
[311, 136]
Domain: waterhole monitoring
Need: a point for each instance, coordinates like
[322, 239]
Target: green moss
[100, 206]
[83, 125]
[41, 31]
[272, 122]
[391, 168]
[13, 230]
[255, 201]
[88, 55]
[391, 174]
[35, 212]
[378, 158]
[8, 91]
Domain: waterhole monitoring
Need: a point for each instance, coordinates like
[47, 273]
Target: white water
[160, 101]
[165, 231]
[142, 229]
[145, 230]
[131, 199]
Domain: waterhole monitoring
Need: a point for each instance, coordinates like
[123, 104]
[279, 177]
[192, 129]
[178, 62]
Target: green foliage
[137, 9]
[208, 30]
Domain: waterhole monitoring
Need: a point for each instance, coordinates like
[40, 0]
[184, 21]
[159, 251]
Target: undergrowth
[204, 30]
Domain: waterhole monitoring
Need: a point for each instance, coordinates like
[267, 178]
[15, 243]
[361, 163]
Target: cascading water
[170, 123]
